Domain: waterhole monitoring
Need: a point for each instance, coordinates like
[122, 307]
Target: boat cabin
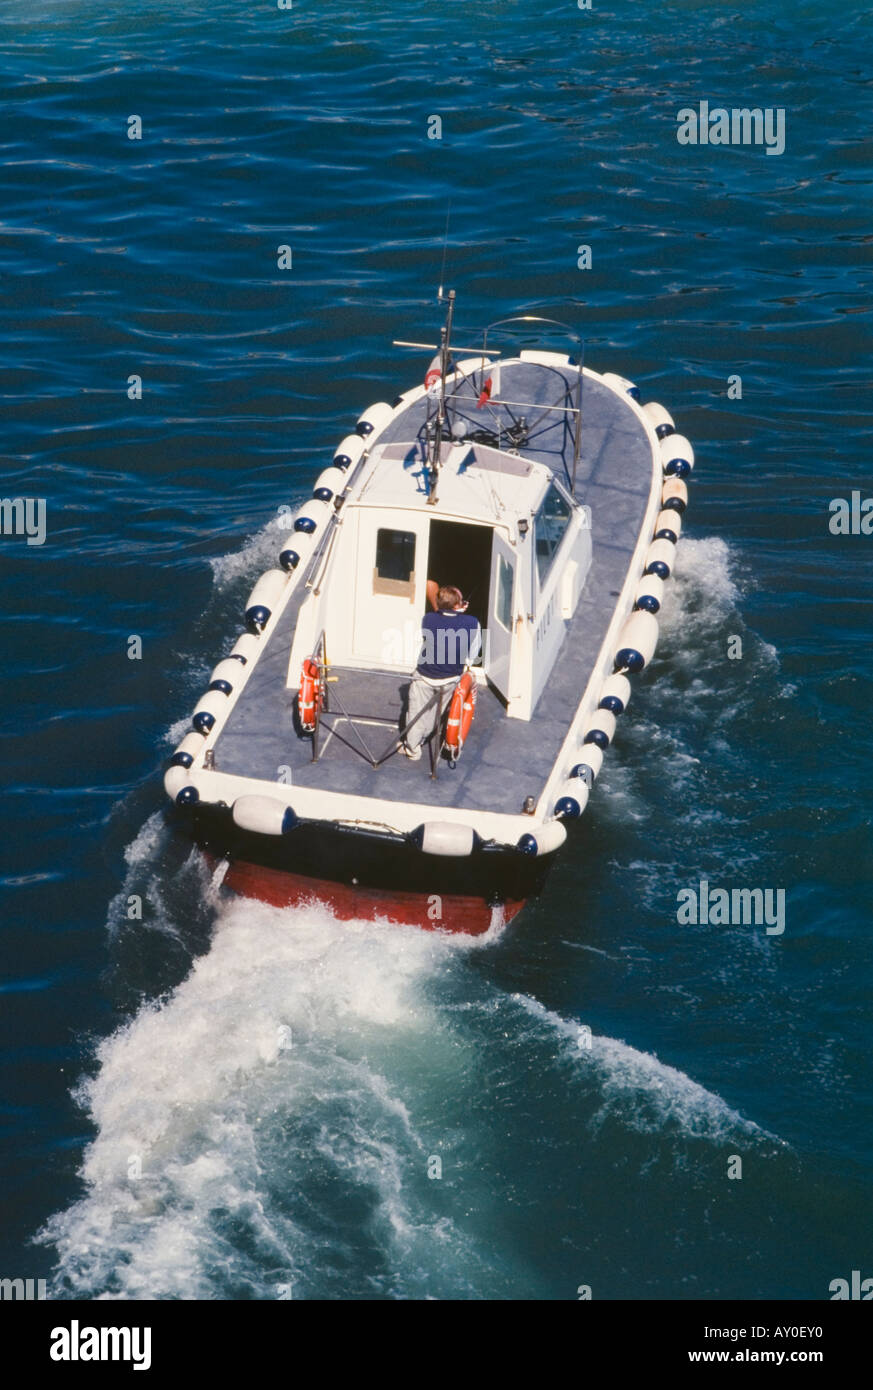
[502, 528]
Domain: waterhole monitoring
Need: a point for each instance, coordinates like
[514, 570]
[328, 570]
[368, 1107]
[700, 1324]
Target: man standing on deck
[451, 640]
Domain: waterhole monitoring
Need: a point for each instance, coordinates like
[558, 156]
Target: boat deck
[505, 760]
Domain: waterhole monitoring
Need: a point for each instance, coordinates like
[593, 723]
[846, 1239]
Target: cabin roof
[485, 484]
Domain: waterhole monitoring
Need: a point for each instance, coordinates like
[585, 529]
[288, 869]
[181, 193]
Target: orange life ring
[309, 698]
[461, 711]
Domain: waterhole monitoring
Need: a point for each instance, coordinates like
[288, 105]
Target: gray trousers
[421, 691]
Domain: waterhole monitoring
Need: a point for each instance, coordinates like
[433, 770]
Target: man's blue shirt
[448, 642]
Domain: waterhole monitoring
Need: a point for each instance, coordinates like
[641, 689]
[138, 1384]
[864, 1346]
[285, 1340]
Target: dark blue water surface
[161, 1139]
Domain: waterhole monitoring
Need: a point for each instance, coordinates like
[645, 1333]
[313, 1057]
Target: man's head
[450, 599]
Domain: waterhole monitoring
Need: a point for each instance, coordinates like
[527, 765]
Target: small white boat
[553, 500]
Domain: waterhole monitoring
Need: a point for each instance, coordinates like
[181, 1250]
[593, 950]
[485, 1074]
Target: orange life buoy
[434, 373]
[461, 711]
[309, 695]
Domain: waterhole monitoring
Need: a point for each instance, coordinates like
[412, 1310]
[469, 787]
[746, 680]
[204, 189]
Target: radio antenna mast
[439, 423]
[445, 249]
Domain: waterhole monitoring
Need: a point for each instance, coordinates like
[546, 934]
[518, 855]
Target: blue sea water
[226, 1100]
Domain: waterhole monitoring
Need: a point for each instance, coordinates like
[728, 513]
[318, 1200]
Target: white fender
[190, 746]
[668, 521]
[660, 558]
[264, 597]
[446, 838]
[373, 421]
[228, 670]
[615, 694]
[590, 757]
[264, 815]
[332, 480]
[348, 452]
[660, 419]
[246, 645]
[677, 455]
[296, 551]
[572, 798]
[621, 383]
[650, 591]
[545, 839]
[312, 516]
[674, 494]
[637, 642]
[209, 709]
[599, 728]
[544, 359]
[175, 778]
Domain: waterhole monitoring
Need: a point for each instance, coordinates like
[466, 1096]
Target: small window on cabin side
[503, 597]
[550, 524]
[394, 571]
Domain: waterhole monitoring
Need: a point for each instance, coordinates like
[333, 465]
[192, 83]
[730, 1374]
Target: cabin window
[394, 571]
[503, 597]
[550, 524]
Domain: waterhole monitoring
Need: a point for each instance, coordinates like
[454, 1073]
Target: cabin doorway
[460, 554]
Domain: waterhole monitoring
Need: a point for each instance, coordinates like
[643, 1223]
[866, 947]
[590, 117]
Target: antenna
[445, 249]
[439, 423]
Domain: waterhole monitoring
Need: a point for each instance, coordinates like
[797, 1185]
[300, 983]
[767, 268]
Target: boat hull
[361, 875]
[455, 912]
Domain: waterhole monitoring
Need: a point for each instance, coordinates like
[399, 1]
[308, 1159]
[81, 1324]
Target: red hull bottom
[454, 913]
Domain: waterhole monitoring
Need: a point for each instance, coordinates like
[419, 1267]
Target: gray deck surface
[504, 759]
